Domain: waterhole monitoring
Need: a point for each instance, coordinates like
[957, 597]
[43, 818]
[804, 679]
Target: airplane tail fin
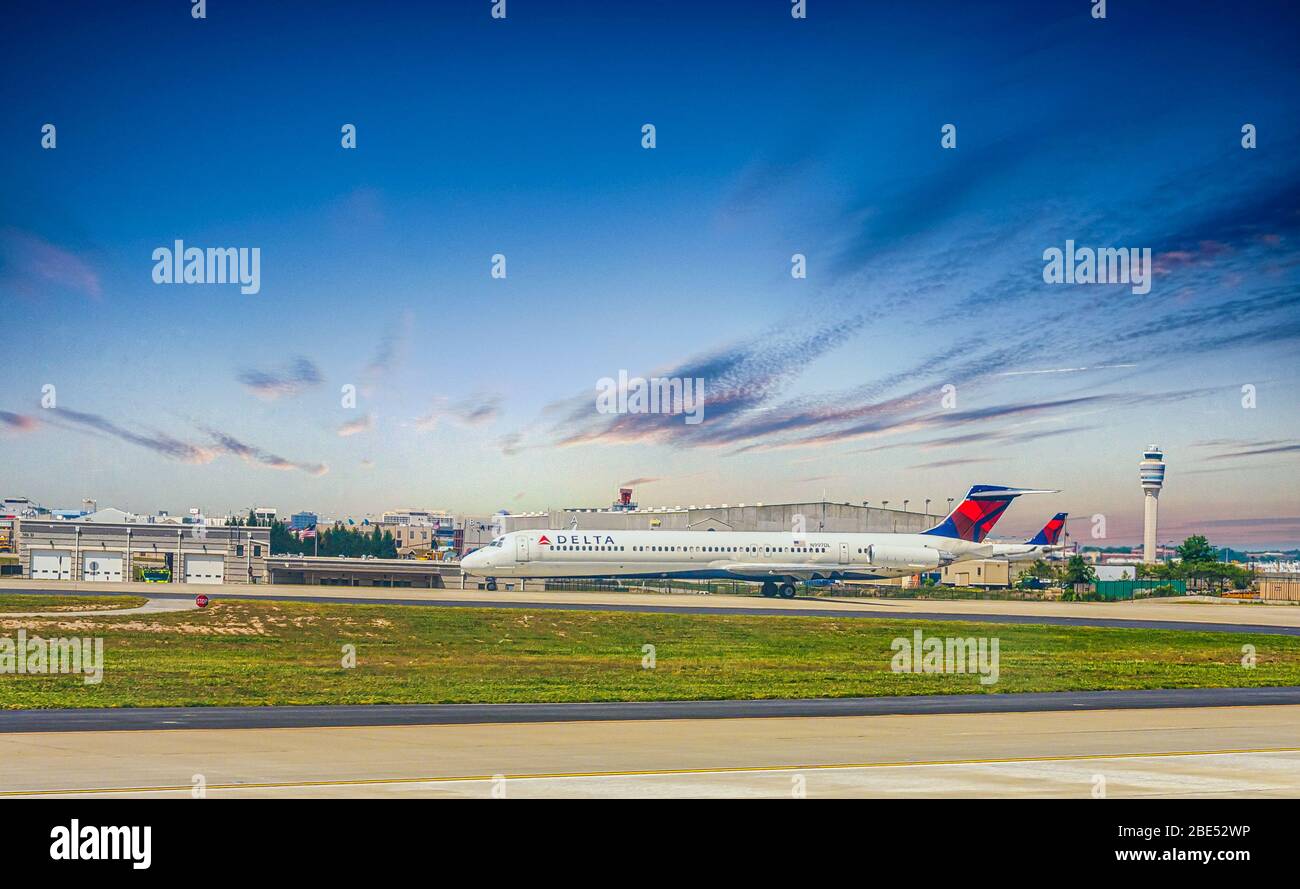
[1051, 532]
[976, 515]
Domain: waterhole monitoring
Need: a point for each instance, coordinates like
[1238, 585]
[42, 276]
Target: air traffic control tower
[1152, 469]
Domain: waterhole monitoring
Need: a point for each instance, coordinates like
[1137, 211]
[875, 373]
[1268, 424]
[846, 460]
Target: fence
[1111, 590]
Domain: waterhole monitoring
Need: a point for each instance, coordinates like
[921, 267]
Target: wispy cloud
[511, 443]
[299, 375]
[227, 443]
[363, 423]
[1062, 370]
[740, 382]
[33, 266]
[476, 410]
[1012, 435]
[176, 449]
[158, 442]
[388, 352]
[17, 422]
[1262, 451]
[960, 461]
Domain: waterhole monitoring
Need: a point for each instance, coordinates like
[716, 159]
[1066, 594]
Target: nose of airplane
[474, 562]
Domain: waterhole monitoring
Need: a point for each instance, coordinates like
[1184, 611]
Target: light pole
[927, 505]
[905, 502]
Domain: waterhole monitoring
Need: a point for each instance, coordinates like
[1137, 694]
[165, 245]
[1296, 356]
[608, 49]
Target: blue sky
[775, 136]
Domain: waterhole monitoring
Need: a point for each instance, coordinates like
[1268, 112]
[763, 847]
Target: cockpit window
[497, 542]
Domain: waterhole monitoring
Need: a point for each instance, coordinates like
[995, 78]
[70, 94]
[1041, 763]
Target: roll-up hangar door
[51, 564]
[205, 569]
[102, 567]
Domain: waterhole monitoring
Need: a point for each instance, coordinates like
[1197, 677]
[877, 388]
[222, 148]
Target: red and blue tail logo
[975, 516]
[1051, 531]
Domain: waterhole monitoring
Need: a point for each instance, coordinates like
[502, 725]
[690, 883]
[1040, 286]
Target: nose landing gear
[492, 584]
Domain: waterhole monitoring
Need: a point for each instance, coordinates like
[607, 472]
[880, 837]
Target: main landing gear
[492, 584]
[785, 590]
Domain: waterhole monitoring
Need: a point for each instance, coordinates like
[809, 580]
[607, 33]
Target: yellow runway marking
[724, 770]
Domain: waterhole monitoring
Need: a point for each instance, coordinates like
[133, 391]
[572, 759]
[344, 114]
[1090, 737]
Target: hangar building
[817, 516]
[110, 552]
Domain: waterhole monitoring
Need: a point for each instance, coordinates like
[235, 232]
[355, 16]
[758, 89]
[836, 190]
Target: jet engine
[918, 558]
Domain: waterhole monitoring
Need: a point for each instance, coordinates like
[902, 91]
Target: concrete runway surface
[1171, 614]
[1200, 752]
[77, 719]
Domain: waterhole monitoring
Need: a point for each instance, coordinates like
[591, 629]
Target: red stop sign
[201, 600]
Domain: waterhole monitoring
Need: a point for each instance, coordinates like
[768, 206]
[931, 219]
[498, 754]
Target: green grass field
[252, 652]
[11, 602]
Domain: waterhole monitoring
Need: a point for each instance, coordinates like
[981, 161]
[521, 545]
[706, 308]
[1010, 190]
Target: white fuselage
[744, 555]
[1023, 552]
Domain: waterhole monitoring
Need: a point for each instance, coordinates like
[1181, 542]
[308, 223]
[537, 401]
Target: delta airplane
[1042, 545]
[776, 559]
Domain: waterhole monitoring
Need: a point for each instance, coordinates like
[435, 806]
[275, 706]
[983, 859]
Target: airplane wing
[764, 570]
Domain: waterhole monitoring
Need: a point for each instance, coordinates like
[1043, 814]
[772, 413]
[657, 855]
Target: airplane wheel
[492, 586]
[769, 590]
[787, 591]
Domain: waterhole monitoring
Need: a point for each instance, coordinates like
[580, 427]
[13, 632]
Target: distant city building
[109, 514]
[415, 517]
[411, 538]
[1164, 552]
[1275, 566]
[301, 521]
[17, 507]
[473, 532]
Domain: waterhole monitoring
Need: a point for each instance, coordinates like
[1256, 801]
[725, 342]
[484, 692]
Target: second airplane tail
[976, 515]
[1051, 532]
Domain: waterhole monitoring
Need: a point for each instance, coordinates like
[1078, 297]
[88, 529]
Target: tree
[1078, 571]
[1043, 570]
[1159, 571]
[1196, 549]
